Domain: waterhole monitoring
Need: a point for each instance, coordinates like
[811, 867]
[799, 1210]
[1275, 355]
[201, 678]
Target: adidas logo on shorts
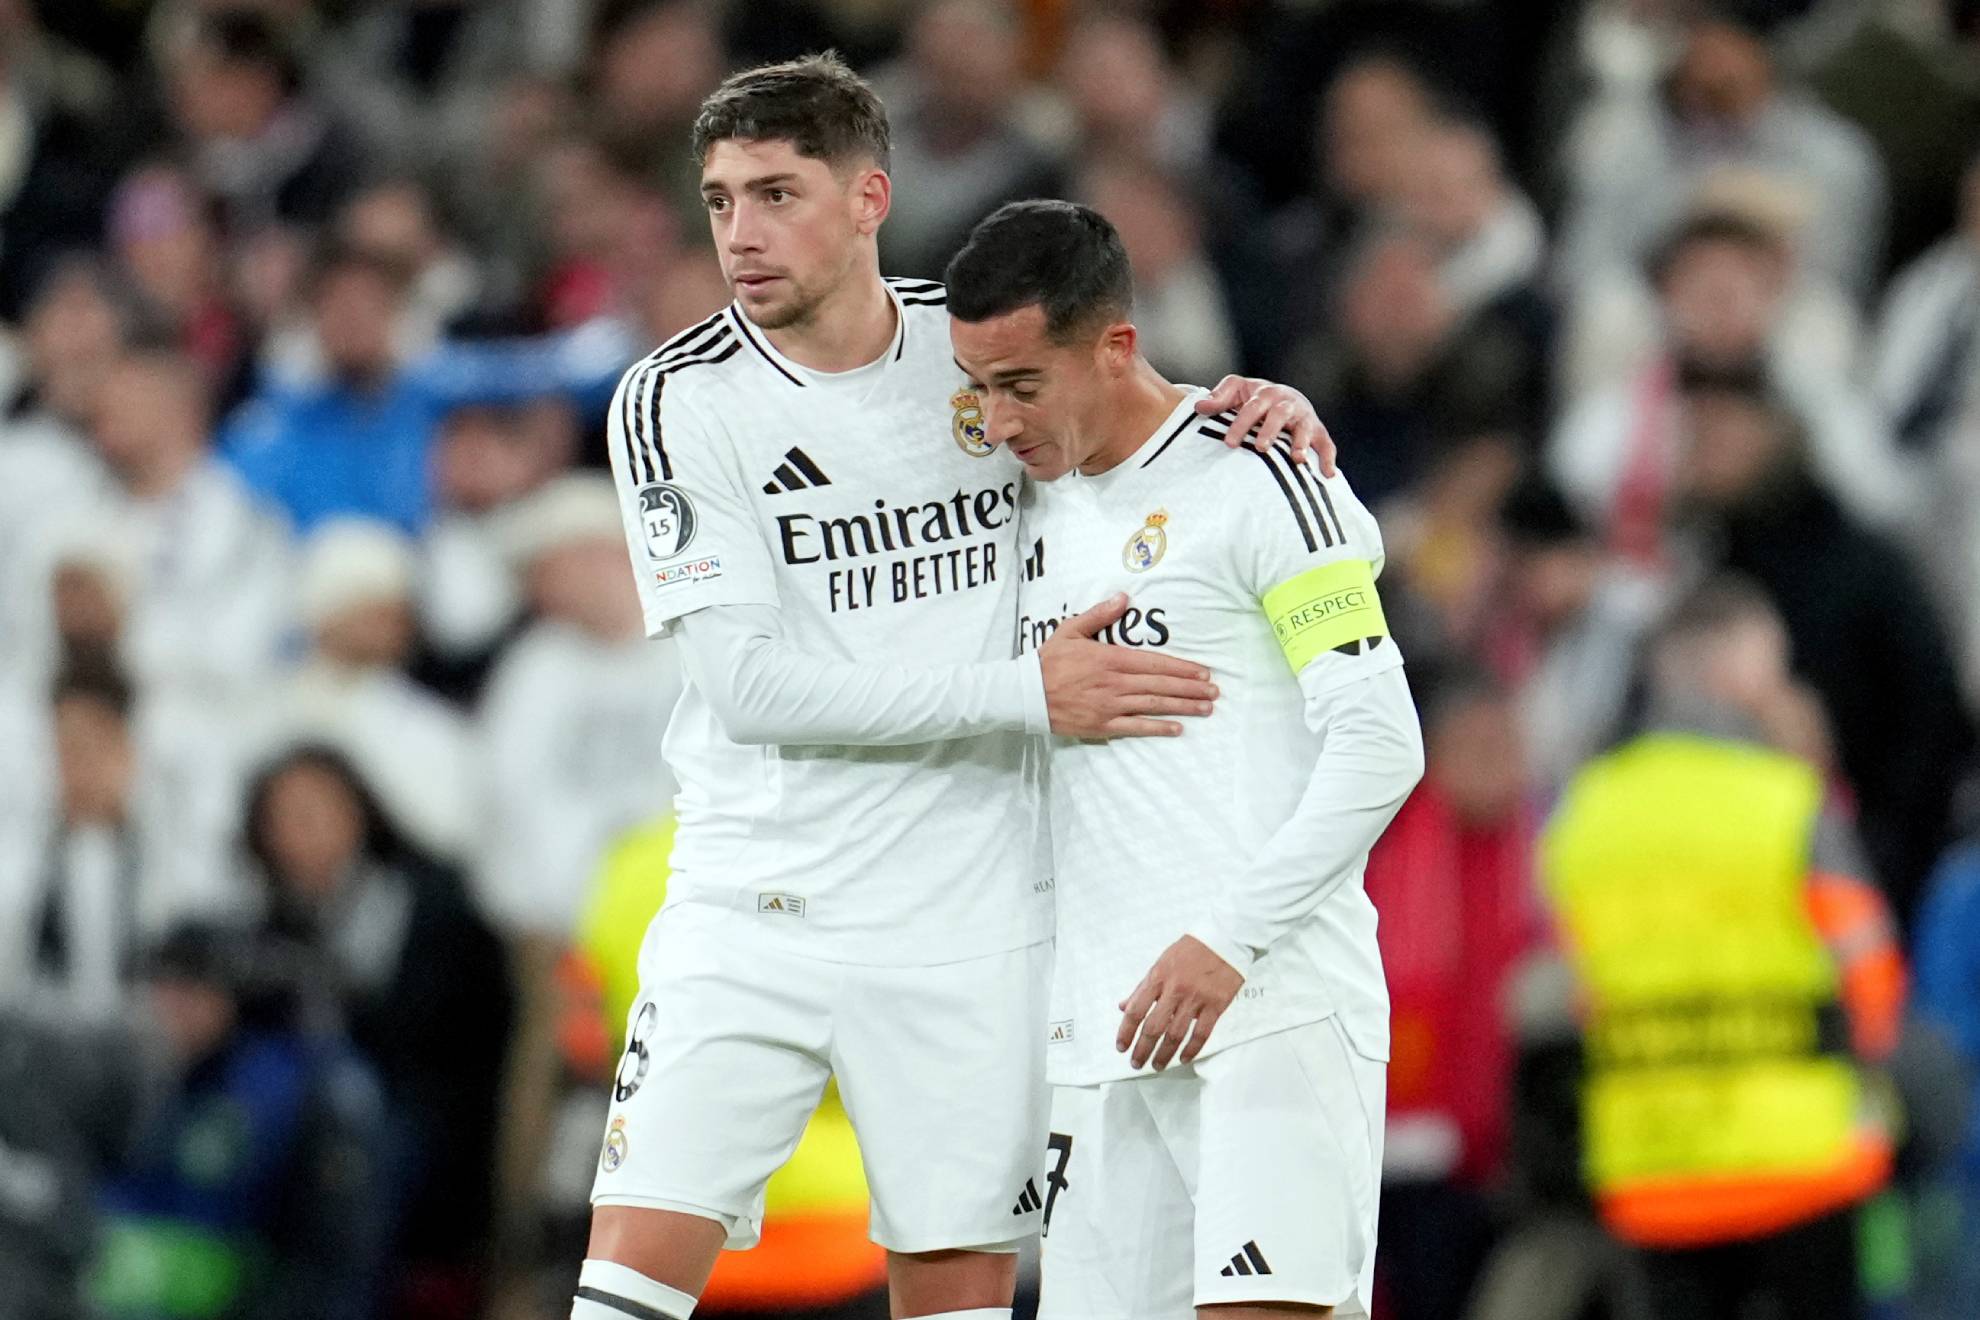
[783, 905]
[1028, 1199]
[1249, 1261]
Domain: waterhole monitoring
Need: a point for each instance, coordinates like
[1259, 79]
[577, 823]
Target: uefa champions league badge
[615, 1146]
[1146, 547]
[972, 437]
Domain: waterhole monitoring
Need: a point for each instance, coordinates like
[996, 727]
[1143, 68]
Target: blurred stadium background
[330, 798]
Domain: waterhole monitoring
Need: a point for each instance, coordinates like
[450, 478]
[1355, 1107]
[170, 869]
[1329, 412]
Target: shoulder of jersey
[926, 306]
[707, 344]
[919, 293]
[1321, 511]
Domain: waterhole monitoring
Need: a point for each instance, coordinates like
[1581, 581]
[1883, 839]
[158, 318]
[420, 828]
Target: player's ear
[872, 197]
[1119, 344]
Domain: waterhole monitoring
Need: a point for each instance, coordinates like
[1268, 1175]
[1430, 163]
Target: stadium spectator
[1572, 620]
[64, 143]
[1733, 959]
[1864, 634]
[423, 985]
[486, 458]
[1179, 305]
[1926, 371]
[654, 66]
[397, 220]
[351, 691]
[48, 470]
[1408, 375]
[1453, 879]
[168, 244]
[1488, 232]
[1720, 280]
[959, 149]
[1725, 108]
[1947, 952]
[253, 1185]
[69, 1104]
[209, 566]
[358, 440]
[1127, 99]
[570, 713]
[258, 143]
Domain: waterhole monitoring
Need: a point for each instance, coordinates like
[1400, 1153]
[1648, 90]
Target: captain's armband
[1323, 608]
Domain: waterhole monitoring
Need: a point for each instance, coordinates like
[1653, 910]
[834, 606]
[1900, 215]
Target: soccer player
[859, 886]
[1210, 904]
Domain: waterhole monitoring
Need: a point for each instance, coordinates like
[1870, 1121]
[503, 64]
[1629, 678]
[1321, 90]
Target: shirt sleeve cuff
[1210, 933]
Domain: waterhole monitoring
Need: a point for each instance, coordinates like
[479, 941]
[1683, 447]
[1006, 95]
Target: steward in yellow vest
[1735, 972]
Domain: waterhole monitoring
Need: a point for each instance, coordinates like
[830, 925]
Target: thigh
[1288, 1171]
[1117, 1213]
[942, 1073]
[725, 1060]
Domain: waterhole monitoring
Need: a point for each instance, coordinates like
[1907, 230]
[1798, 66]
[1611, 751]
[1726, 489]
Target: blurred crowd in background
[323, 696]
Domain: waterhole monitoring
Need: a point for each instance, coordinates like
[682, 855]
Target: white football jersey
[1145, 830]
[867, 508]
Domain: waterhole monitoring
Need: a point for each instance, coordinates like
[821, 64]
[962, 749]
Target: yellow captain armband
[1323, 608]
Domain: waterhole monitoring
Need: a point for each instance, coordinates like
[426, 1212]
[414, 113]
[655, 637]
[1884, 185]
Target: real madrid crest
[1146, 547]
[971, 435]
[615, 1146]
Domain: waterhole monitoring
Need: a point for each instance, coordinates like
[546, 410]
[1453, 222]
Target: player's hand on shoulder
[1177, 1004]
[1097, 690]
[1265, 410]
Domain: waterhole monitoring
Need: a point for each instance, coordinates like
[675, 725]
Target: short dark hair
[817, 104]
[337, 256]
[1536, 515]
[239, 36]
[1061, 256]
[89, 674]
[1711, 607]
[1710, 227]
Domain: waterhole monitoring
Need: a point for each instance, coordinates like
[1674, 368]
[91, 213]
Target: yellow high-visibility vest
[1718, 1101]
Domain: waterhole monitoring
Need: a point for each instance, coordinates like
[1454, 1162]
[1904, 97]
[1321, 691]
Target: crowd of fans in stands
[314, 615]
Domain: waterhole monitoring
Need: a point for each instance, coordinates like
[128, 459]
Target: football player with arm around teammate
[1219, 1020]
[858, 889]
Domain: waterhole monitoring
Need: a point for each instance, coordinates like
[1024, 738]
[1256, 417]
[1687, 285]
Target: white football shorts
[1250, 1176]
[941, 1070]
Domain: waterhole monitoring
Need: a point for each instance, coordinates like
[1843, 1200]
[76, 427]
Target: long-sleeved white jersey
[1250, 831]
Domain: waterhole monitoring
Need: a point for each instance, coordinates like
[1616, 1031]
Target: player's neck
[849, 329]
[1138, 406]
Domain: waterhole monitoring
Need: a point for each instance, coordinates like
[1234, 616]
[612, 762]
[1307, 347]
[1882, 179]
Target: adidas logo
[789, 905]
[796, 472]
[1249, 1261]
[1034, 563]
[1028, 1199]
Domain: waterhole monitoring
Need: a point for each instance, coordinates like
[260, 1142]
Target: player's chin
[1045, 463]
[772, 310]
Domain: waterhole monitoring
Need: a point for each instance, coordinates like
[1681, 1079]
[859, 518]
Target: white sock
[982, 1313]
[608, 1291]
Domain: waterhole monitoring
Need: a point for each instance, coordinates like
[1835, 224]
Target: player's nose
[1000, 424]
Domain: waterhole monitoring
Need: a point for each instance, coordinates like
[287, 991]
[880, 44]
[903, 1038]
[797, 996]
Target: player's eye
[776, 196]
[1024, 392]
[716, 204]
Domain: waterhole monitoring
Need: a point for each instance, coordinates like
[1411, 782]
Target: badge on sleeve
[666, 515]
